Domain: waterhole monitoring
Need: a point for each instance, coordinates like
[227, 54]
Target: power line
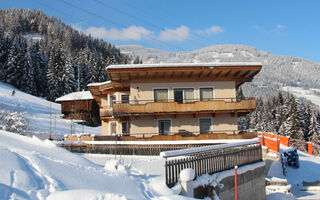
[118, 24]
[164, 20]
[141, 20]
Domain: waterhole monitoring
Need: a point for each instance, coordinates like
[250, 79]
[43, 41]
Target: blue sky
[282, 27]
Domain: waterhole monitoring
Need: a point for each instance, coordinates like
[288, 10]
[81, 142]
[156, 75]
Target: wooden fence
[212, 161]
[128, 149]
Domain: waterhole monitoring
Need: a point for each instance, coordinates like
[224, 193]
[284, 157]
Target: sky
[282, 27]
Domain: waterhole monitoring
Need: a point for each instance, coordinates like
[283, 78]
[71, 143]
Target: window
[125, 128]
[183, 95]
[113, 128]
[164, 127]
[125, 98]
[205, 125]
[160, 95]
[206, 94]
[112, 99]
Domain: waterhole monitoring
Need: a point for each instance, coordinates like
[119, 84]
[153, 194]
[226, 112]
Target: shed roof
[75, 96]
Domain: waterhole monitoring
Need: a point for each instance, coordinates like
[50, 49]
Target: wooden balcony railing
[168, 107]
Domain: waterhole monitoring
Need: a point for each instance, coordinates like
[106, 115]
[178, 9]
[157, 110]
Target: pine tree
[240, 95]
[313, 130]
[39, 65]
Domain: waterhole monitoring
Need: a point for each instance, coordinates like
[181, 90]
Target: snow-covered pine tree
[55, 70]
[68, 79]
[313, 130]
[39, 65]
[292, 125]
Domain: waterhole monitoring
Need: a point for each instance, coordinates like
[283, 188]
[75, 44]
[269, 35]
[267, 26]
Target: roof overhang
[239, 72]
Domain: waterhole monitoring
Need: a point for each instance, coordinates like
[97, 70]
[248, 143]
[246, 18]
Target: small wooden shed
[80, 106]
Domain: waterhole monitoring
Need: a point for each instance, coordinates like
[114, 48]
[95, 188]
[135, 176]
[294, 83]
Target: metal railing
[212, 161]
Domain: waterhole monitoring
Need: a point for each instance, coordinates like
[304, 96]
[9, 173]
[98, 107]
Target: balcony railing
[150, 107]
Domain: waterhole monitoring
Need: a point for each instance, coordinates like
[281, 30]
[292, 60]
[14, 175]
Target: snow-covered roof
[216, 64]
[84, 95]
[98, 84]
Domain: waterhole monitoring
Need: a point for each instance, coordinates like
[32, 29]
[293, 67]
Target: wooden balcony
[168, 108]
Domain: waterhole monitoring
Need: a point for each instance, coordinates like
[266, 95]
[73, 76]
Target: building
[80, 106]
[160, 99]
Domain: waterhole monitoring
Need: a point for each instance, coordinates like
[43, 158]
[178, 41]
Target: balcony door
[183, 95]
[164, 127]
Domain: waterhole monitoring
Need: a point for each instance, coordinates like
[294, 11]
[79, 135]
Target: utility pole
[50, 122]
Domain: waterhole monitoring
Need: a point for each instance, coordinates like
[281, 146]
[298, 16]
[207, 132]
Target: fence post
[186, 178]
[235, 183]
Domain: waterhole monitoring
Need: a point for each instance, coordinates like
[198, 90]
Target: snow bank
[34, 169]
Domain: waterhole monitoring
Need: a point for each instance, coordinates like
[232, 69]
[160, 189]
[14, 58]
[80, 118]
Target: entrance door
[178, 95]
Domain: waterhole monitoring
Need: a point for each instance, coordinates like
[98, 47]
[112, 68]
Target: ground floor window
[113, 128]
[205, 125]
[125, 128]
[164, 127]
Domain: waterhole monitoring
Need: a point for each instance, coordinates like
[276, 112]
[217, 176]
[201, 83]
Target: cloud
[256, 27]
[131, 33]
[211, 30]
[279, 28]
[179, 34]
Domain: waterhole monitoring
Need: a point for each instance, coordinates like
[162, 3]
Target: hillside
[35, 112]
[277, 72]
[45, 57]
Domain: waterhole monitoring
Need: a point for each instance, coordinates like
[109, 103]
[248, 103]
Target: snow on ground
[309, 171]
[31, 168]
[302, 93]
[37, 112]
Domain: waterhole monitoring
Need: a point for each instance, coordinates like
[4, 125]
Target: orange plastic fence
[309, 148]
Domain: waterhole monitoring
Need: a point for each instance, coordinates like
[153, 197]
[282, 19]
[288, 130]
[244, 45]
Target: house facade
[163, 99]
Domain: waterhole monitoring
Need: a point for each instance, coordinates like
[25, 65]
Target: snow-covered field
[31, 168]
[37, 112]
[302, 93]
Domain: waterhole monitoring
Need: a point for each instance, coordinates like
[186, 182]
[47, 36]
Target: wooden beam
[245, 74]
[181, 75]
[209, 74]
[218, 74]
[199, 75]
[236, 74]
[190, 75]
[227, 74]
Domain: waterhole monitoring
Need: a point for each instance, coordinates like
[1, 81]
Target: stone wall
[251, 186]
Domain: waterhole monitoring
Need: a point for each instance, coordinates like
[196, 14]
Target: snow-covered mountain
[277, 72]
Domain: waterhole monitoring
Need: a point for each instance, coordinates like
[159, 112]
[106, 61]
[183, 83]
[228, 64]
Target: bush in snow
[14, 122]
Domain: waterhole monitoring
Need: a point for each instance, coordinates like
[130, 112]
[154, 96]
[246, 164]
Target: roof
[74, 96]
[98, 84]
[217, 64]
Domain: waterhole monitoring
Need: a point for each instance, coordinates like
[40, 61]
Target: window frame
[211, 124]
[160, 88]
[207, 87]
[183, 93]
[170, 127]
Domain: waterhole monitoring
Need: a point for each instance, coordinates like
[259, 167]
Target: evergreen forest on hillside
[285, 115]
[44, 57]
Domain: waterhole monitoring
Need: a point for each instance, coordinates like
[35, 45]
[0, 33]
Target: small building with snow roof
[80, 106]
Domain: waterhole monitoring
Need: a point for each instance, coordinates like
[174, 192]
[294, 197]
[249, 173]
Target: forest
[44, 57]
